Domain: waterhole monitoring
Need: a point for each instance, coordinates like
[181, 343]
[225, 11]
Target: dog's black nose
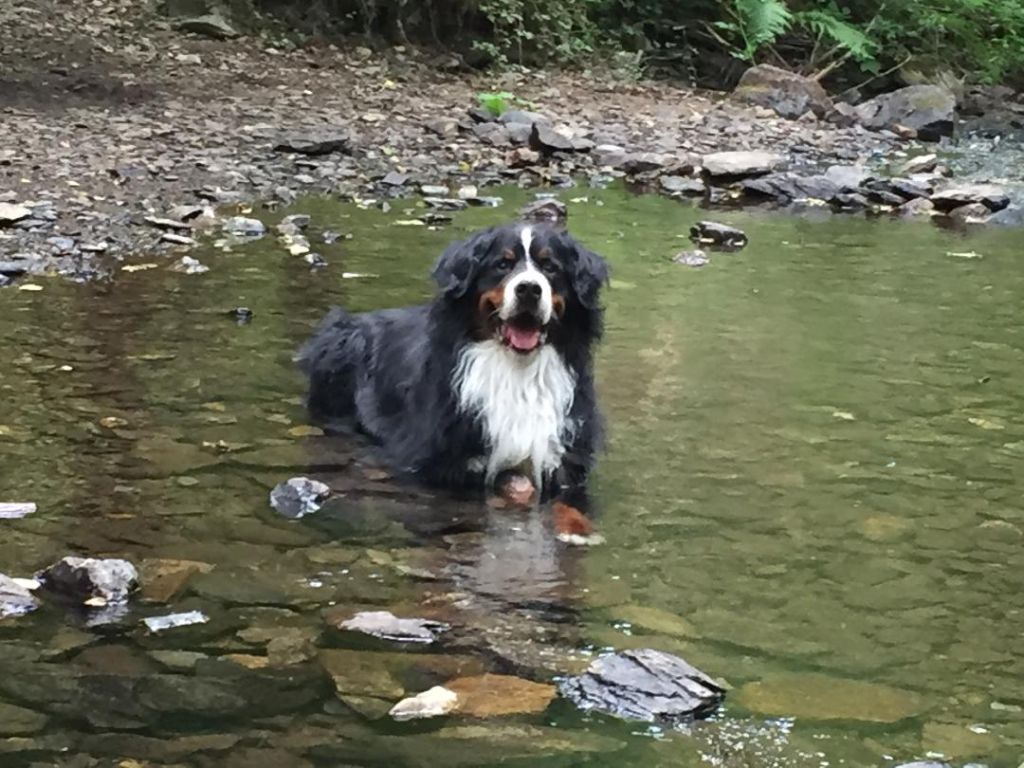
[528, 291]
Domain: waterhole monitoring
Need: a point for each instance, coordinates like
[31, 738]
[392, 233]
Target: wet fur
[424, 384]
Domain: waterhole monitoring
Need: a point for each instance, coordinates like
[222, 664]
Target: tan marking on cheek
[558, 304]
[487, 305]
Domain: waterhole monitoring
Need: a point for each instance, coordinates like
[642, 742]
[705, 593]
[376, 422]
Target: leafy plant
[496, 103]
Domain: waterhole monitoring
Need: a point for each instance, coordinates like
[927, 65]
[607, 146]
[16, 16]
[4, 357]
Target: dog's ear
[458, 265]
[590, 274]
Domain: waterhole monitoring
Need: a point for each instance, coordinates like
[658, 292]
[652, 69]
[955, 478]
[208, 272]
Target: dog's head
[522, 282]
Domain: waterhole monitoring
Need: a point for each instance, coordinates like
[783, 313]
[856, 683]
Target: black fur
[389, 373]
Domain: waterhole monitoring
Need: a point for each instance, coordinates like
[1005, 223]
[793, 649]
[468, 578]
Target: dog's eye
[548, 267]
[504, 265]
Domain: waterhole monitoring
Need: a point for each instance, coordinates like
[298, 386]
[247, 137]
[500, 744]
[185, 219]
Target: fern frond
[846, 36]
[763, 21]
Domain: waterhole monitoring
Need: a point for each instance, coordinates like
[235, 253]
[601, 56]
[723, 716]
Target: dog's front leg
[572, 508]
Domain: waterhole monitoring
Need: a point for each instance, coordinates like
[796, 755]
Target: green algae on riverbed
[813, 475]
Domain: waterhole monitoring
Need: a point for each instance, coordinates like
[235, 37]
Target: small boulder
[992, 196]
[434, 702]
[930, 110]
[787, 93]
[920, 164]
[791, 186]
[522, 117]
[298, 497]
[609, 155]
[972, 213]
[545, 139]
[545, 210]
[919, 206]
[646, 685]
[88, 578]
[682, 185]
[11, 213]
[243, 226]
[1011, 216]
[741, 164]
[714, 233]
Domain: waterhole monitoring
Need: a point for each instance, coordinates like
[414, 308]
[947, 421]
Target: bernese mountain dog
[490, 383]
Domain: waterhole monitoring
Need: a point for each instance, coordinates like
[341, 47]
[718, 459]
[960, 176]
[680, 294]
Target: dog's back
[331, 359]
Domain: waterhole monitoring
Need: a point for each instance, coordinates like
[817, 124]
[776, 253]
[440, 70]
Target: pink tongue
[523, 339]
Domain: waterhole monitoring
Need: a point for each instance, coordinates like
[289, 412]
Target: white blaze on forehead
[527, 273]
[527, 238]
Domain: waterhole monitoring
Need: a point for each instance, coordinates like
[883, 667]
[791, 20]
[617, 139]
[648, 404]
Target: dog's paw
[517, 490]
[572, 527]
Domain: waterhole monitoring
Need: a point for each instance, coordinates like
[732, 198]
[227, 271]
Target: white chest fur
[523, 404]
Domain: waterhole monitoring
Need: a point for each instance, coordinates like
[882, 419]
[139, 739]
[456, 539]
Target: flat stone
[313, 145]
[522, 117]
[714, 233]
[173, 621]
[645, 685]
[211, 25]
[972, 213]
[499, 695]
[821, 697]
[82, 578]
[446, 203]
[15, 600]
[609, 155]
[926, 110]
[434, 702]
[16, 510]
[172, 224]
[957, 740]
[655, 620]
[298, 497]
[18, 721]
[644, 162]
[990, 195]
[920, 164]
[12, 212]
[395, 179]
[917, 207]
[682, 185]
[163, 579]
[741, 163]
[791, 186]
[848, 178]
[386, 626]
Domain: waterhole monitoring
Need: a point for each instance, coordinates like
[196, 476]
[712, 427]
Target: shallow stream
[812, 492]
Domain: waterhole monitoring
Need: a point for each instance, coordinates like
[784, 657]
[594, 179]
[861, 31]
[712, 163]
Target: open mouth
[523, 333]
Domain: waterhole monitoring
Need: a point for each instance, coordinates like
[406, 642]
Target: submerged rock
[821, 697]
[713, 233]
[787, 93]
[315, 144]
[299, 497]
[694, 258]
[645, 685]
[18, 721]
[85, 578]
[15, 600]
[15, 511]
[387, 626]
[498, 695]
[434, 702]
[175, 620]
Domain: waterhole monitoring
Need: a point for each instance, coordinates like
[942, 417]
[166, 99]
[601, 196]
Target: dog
[491, 380]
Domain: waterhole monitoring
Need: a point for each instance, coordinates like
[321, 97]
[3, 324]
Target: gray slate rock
[16, 510]
[929, 109]
[1012, 216]
[682, 185]
[211, 25]
[15, 600]
[715, 233]
[645, 685]
[11, 213]
[992, 196]
[243, 226]
[545, 210]
[741, 163]
[315, 144]
[791, 186]
[298, 497]
[522, 117]
[787, 93]
[82, 578]
[544, 138]
[386, 626]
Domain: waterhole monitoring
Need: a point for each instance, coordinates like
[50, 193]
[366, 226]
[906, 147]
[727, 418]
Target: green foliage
[495, 103]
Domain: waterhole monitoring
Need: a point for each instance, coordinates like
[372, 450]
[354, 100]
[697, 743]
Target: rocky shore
[126, 134]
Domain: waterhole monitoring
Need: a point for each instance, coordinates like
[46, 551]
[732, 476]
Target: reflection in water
[812, 485]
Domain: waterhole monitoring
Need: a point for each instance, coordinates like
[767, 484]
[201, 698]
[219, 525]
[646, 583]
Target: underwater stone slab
[822, 697]
[18, 721]
[645, 685]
